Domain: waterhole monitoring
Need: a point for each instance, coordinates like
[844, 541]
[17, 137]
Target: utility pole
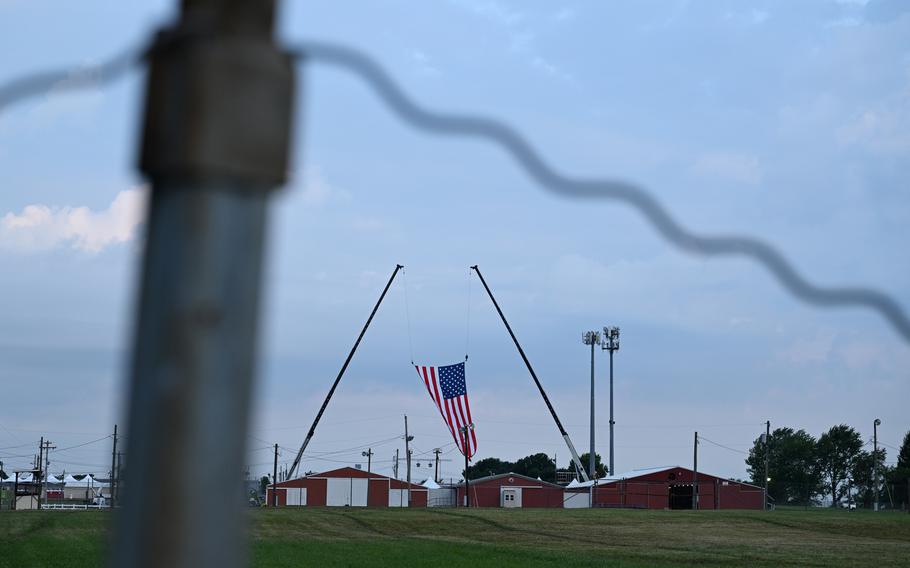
[465, 430]
[407, 455]
[695, 474]
[875, 426]
[47, 467]
[113, 483]
[369, 456]
[436, 452]
[39, 467]
[395, 465]
[767, 442]
[275, 479]
[591, 338]
[215, 144]
[611, 344]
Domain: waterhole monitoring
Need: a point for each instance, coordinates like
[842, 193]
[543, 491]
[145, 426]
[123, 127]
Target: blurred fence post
[215, 144]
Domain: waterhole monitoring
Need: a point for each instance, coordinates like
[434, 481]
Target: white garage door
[576, 500]
[296, 496]
[398, 497]
[359, 492]
[338, 492]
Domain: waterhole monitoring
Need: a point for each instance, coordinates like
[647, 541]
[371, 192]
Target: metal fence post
[215, 143]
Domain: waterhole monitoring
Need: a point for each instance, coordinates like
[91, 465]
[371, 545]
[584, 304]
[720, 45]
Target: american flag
[447, 388]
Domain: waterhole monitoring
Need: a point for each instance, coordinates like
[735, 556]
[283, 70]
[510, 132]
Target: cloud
[41, 227]
[729, 166]
[883, 130]
[317, 190]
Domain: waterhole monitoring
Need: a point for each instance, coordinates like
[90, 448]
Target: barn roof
[345, 472]
[632, 474]
[510, 474]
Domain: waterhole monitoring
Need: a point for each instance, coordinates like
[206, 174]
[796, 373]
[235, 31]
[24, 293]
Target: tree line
[836, 466]
[536, 465]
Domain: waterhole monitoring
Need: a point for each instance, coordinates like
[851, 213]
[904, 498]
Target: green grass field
[504, 538]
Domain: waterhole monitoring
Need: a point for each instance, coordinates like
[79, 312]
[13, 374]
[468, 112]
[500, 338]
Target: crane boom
[344, 368]
[565, 435]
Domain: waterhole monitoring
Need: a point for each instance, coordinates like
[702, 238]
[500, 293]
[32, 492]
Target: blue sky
[783, 120]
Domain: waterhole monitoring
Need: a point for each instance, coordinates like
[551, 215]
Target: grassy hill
[503, 538]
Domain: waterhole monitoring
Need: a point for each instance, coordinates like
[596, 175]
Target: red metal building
[347, 487]
[511, 490]
[671, 487]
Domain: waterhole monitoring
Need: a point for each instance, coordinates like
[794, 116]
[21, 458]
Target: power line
[703, 439]
[83, 444]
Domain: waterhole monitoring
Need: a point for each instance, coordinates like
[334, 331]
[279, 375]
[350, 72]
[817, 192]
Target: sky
[789, 121]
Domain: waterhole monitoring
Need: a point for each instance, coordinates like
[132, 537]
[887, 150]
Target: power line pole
[767, 441]
[275, 479]
[875, 426]
[407, 456]
[695, 474]
[368, 455]
[611, 344]
[591, 338]
[215, 144]
[467, 493]
[436, 452]
[113, 483]
[47, 468]
[39, 467]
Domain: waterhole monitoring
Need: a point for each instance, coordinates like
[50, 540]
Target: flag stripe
[447, 388]
[466, 442]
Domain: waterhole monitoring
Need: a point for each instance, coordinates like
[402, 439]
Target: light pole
[591, 338]
[611, 344]
[875, 426]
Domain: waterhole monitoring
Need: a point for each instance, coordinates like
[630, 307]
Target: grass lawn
[504, 538]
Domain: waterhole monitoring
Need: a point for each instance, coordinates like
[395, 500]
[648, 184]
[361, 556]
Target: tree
[863, 476]
[899, 476]
[537, 465]
[792, 466]
[598, 466]
[489, 466]
[836, 451]
[263, 484]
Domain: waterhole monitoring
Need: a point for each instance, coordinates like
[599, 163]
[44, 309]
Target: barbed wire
[69, 78]
[524, 154]
[606, 189]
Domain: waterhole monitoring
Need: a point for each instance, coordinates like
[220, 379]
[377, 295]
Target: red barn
[669, 487]
[347, 487]
[511, 490]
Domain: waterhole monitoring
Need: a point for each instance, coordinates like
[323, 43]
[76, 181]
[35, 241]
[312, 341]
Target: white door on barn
[359, 492]
[398, 497]
[338, 492]
[511, 498]
[576, 500]
[296, 496]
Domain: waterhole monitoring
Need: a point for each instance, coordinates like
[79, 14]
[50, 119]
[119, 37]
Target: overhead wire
[702, 438]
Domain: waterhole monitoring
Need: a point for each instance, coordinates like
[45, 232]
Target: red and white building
[667, 487]
[346, 487]
[511, 490]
